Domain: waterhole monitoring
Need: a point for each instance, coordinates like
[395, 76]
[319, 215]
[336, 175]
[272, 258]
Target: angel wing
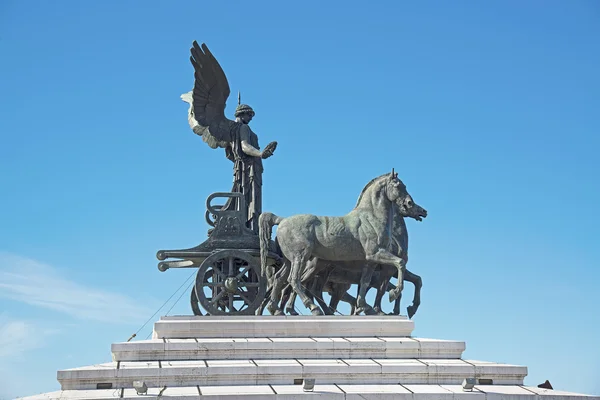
[207, 100]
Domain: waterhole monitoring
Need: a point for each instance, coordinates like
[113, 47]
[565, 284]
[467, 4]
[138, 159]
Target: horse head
[396, 192]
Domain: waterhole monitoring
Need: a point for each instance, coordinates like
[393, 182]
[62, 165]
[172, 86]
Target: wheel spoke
[230, 266]
[217, 297]
[246, 300]
[230, 302]
[249, 284]
[239, 276]
[213, 284]
[218, 272]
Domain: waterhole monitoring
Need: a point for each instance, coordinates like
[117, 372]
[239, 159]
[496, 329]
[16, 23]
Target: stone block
[281, 326]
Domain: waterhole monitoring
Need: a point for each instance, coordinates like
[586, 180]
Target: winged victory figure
[207, 119]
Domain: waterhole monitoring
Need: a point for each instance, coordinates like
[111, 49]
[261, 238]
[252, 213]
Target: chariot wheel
[194, 301]
[229, 283]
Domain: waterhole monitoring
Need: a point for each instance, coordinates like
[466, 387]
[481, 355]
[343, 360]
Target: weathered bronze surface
[242, 271]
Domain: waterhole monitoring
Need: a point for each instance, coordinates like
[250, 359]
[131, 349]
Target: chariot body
[229, 279]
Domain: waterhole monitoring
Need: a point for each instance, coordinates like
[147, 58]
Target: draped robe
[247, 175]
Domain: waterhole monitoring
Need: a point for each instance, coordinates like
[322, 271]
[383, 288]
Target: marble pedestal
[366, 357]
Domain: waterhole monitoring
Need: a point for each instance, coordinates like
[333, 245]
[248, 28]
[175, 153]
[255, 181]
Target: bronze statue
[239, 260]
[207, 119]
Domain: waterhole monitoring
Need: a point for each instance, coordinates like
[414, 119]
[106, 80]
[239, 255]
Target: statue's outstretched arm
[253, 151]
[250, 150]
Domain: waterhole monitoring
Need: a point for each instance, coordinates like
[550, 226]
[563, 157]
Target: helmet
[243, 109]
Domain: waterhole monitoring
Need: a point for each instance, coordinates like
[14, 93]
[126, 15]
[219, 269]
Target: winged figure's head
[244, 113]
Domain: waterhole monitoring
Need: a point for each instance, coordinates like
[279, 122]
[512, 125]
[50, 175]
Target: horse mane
[367, 186]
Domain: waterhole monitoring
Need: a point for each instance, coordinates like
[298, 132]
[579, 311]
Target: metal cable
[176, 301]
[179, 298]
[160, 308]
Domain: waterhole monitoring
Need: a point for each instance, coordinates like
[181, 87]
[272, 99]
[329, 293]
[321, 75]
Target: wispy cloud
[38, 284]
[19, 336]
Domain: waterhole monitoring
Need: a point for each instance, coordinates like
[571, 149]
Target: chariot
[229, 280]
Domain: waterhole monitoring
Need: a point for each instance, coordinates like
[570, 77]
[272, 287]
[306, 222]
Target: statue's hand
[269, 150]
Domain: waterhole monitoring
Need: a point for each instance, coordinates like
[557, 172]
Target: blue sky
[488, 111]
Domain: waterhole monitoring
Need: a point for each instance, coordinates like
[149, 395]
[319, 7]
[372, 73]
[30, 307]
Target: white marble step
[186, 327]
[285, 372]
[324, 392]
[282, 348]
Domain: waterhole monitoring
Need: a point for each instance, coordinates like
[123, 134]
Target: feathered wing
[207, 100]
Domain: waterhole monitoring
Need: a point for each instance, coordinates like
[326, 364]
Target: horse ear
[392, 172]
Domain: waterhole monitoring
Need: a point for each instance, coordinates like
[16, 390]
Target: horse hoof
[411, 311]
[273, 310]
[394, 294]
[370, 311]
[358, 311]
[316, 311]
[291, 312]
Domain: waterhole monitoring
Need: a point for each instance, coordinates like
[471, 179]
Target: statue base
[183, 327]
[349, 357]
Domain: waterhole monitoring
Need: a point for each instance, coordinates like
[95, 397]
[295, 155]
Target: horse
[363, 234]
[342, 275]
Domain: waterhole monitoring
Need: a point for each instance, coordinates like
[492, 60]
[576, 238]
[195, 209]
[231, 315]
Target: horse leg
[391, 287]
[317, 290]
[363, 287]
[382, 256]
[326, 309]
[418, 282]
[348, 298]
[290, 301]
[279, 282]
[381, 290]
[285, 296]
[315, 287]
[263, 304]
[270, 275]
[381, 281]
[335, 300]
[298, 263]
[309, 285]
[338, 290]
[397, 303]
[396, 310]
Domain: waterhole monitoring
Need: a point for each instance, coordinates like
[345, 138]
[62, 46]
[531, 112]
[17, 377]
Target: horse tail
[266, 221]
